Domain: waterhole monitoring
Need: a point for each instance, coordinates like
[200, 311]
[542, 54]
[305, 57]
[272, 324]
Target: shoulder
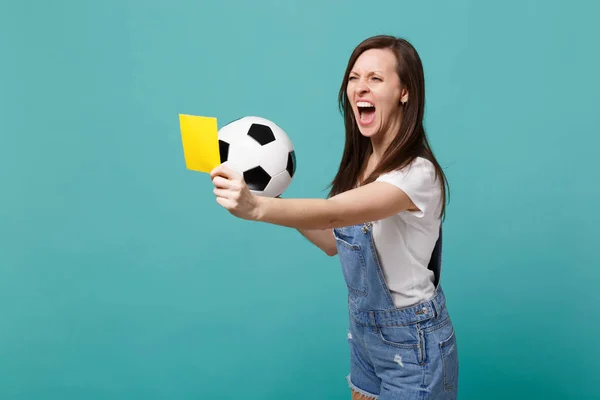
[418, 180]
[420, 170]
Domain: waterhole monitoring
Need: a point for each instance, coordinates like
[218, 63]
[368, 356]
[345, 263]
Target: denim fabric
[395, 353]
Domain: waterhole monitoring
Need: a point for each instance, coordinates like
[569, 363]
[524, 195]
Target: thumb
[227, 171]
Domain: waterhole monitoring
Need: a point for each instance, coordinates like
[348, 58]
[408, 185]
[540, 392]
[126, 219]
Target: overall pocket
[407, 340]
[449, 356]
[353, 264]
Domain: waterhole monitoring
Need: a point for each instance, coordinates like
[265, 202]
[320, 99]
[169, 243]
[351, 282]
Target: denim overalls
[395, 353]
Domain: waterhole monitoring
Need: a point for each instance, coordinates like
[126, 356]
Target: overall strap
[435, 264]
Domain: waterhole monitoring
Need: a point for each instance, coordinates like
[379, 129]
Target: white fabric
[405, 241]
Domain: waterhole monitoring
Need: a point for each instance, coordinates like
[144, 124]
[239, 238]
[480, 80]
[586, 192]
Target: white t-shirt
[405, 241]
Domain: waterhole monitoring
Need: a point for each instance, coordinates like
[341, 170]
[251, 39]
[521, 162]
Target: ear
[404, 96]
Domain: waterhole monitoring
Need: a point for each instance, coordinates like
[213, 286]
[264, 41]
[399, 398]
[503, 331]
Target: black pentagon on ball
[223, 150]
[291, 163]
[257, 178]
[261, 133]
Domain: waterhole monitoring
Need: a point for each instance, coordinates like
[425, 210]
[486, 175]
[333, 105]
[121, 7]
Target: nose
[361, 87]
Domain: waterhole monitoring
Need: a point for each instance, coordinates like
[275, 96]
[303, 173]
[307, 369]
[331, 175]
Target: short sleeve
[419, 182]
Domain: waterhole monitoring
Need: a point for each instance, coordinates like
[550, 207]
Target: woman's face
[375, 92]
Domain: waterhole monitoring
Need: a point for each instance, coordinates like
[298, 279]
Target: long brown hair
[410, 141]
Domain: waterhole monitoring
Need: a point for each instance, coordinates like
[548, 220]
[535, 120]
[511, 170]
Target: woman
[383, 218]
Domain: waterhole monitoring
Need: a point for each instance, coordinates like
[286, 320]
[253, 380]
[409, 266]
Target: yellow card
[200, 139]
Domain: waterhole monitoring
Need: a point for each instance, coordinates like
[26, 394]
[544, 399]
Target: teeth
[364, 104]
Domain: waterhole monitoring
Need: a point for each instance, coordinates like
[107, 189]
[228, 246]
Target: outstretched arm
[368, 203]
[371, 202]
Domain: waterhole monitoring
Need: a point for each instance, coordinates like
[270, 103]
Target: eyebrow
[369, 73]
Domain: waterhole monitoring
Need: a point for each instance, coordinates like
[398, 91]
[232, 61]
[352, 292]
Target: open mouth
[366, 112]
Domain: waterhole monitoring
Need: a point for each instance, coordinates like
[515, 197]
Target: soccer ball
[261, 151]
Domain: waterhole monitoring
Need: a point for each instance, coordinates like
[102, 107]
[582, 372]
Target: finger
[219, 170]
[234, 173]
[224, 193]
[224, 202]
[222, 183]
[230, 195]
[225, 171]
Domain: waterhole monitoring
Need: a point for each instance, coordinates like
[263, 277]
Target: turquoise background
[122, 278]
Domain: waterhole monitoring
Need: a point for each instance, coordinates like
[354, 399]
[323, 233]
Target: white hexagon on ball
[277, 182]
[244, 154]
[274, 157]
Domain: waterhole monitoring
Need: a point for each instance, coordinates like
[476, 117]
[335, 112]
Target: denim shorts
[407, 353]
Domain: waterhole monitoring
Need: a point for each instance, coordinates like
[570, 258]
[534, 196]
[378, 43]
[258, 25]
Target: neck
[380, 142]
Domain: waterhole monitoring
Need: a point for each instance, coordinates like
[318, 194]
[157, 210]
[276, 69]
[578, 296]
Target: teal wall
[121, 277]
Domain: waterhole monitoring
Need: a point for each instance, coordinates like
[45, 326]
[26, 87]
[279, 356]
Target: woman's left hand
[233, 194]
